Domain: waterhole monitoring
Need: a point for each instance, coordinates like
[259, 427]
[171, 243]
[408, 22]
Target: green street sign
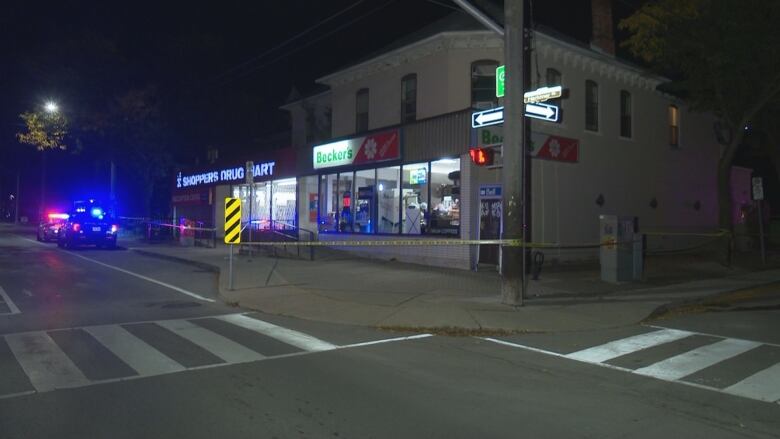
[500, 81]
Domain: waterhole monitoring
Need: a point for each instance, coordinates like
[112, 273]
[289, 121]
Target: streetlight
[51, 107]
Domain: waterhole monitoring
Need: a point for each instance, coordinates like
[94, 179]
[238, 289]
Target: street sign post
[544, 112]
[494, 116]
[250, 180]
[758, 188]
[542, 94]
[758, 196]
[232, 220]
[500, 87]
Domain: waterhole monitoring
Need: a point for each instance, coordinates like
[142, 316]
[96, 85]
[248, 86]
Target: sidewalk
[393, 295]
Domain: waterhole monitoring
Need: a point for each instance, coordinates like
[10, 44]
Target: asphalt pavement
[99, 343]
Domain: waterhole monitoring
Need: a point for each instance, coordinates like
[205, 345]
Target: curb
[202, 265]
[670, 307]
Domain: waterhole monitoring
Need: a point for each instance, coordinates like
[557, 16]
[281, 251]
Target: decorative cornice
[556, 50]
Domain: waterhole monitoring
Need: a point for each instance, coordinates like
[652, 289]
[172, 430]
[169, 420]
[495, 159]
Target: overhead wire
[308, 43]
[284, 43]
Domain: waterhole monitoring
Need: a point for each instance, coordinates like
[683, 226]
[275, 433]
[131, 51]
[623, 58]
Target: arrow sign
[494, 116]
[544, 112]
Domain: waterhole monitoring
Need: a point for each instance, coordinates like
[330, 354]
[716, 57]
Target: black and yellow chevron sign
[232, 221]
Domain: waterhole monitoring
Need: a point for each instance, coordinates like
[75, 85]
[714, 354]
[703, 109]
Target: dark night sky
[84, 53]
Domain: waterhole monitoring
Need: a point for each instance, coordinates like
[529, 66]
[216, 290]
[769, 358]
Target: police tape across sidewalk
[451, 242]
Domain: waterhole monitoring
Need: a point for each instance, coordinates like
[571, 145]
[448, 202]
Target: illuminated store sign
[374, 148]
[228, 175]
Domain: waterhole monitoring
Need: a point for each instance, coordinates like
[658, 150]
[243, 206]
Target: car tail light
[76, 227]
[114, 228]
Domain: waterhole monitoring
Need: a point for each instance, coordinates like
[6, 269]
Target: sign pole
[230, 287]
[761, 232]
[250, 180]
[232, 230]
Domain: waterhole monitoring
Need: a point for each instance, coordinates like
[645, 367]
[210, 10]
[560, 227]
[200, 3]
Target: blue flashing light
[97, 212]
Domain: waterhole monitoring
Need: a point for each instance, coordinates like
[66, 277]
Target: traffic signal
[481, 156]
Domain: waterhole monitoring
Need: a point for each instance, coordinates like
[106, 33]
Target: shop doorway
[489, 222]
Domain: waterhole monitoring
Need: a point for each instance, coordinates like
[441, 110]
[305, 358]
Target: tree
[726, 55]
[44, 131]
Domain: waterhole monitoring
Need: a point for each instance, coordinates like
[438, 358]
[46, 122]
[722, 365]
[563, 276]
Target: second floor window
[553, 77]
[483, 84]
[625, 114]
[409, 98]
[591, 106]
[361, 110]
[674, 126]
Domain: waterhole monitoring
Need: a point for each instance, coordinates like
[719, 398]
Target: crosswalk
[43, 361]
[733, 366]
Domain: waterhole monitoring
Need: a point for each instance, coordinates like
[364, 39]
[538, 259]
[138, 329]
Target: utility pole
[515, 170]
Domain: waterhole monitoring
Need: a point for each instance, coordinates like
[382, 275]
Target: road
[100, 343]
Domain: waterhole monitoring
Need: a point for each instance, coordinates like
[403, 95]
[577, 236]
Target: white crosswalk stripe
[617, 348]
[763, 385]
[693, 361]
[135, 352]
[295, 338]
[48, 366]
[218, 345]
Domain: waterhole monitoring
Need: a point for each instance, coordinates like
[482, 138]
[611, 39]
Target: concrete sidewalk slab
[395, 295]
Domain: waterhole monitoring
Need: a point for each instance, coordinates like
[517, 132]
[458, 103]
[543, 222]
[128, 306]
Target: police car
[88, 224]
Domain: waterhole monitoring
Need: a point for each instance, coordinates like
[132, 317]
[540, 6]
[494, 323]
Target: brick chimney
[602, 38]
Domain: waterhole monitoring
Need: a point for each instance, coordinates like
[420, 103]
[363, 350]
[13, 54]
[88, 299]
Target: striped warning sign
[232, 221]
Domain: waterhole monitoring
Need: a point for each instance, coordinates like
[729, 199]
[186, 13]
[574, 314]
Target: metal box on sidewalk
[621, 249]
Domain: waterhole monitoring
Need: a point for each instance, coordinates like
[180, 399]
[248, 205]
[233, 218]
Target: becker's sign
[373, 148]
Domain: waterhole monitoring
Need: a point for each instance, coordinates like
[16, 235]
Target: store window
[674, 126]
[346, 216]
[591, 106]
[625, 114]
[361, 110]
[409, 98]
[365, 201]
[283, 206]
[444, 216]
[414, 195]
[328, 203]
[388, 199]
[483, 84]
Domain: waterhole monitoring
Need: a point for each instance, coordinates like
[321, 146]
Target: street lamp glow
[51, 107]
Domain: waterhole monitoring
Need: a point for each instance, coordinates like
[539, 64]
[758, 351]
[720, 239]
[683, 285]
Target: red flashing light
[76, 227]
[481, 156]
[114, 228]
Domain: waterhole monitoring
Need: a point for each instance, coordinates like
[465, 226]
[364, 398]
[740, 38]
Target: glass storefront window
[261, 207]
[346, 205]
[365, 201]
[283, 207]
[445, 198]
[388, 198]
[328, 203]
[414, 208]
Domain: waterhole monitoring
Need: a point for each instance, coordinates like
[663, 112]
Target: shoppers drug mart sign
[374, 148]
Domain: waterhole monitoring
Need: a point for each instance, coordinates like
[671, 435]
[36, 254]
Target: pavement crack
[271, 272]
